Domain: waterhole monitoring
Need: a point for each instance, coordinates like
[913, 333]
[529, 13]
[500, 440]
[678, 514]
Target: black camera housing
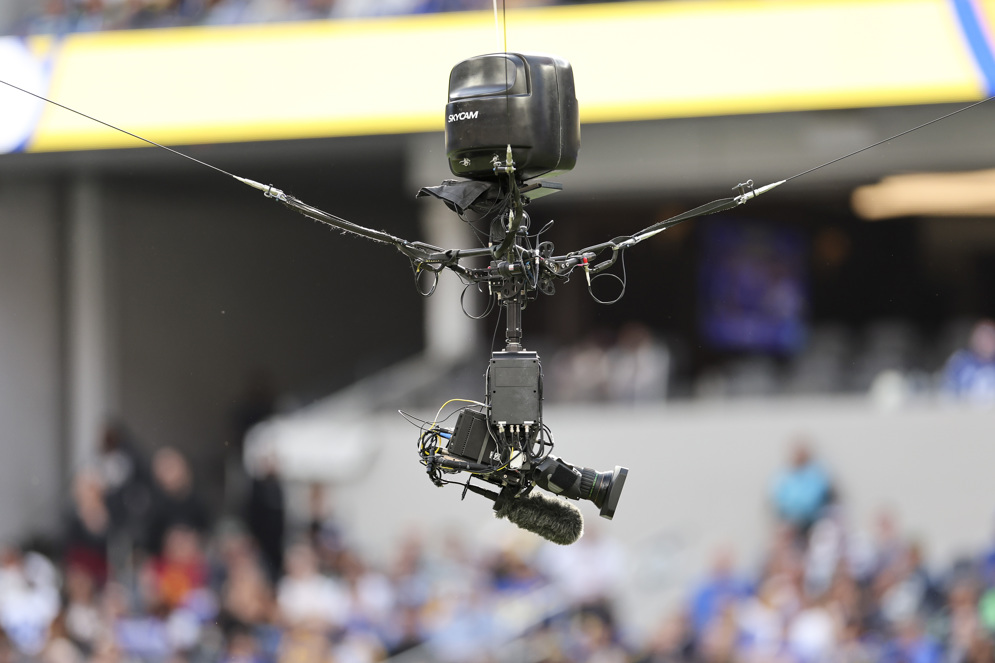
[513, 383]
[527, 101]
[489, 443]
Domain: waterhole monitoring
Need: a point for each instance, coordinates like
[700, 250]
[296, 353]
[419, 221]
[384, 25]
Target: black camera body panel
[527, 101]
[513, 388]
[471, 440]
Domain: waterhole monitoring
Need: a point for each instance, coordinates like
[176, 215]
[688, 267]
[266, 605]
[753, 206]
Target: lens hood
[614, 491]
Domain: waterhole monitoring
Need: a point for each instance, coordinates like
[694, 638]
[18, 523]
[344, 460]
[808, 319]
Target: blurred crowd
[632, 366]
[889, 360]
[970, 373]
[67, 16]
[825, 593]
[141, 574]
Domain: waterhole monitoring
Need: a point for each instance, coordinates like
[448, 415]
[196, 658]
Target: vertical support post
[449, 334]
[91, 393]
[32, 489]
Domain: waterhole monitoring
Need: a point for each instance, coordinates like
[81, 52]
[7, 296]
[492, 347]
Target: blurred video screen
[752, 286]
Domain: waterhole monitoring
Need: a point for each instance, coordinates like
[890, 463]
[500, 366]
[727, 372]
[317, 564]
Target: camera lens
[603, 488]
[582, 483]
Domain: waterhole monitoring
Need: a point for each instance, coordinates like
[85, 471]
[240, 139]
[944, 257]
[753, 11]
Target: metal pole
[513, 324]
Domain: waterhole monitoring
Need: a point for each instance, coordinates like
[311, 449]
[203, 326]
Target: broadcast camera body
[513, 117]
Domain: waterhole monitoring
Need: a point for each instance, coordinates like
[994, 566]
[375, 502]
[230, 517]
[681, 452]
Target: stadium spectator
[761, 618]
[265, 514]
[970, 373]
[630, 367]
[959, 621]
[639, 366]
[905, 587]
[406, 631]
[580, 372]
[888, 544]
[511, 572]
[854, 646]
[245, 591]
[90, 16]
[307, 599]
[181, 570]
[588, 572]
[723, 587]
[29, 599]
[911, 643]
[324, 530]
[50, 17]
[88, 527]
[802, 491]
[227, 12]
[671, 642]
[81, 615]
[370, 596]
[242, 646]
[124, 473]
[256, 403]
[813, 632]
[174, 501]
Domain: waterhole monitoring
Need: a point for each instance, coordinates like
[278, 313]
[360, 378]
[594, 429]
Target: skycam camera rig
[510, 118]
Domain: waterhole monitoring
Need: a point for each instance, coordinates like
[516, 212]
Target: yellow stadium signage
[632, 61]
